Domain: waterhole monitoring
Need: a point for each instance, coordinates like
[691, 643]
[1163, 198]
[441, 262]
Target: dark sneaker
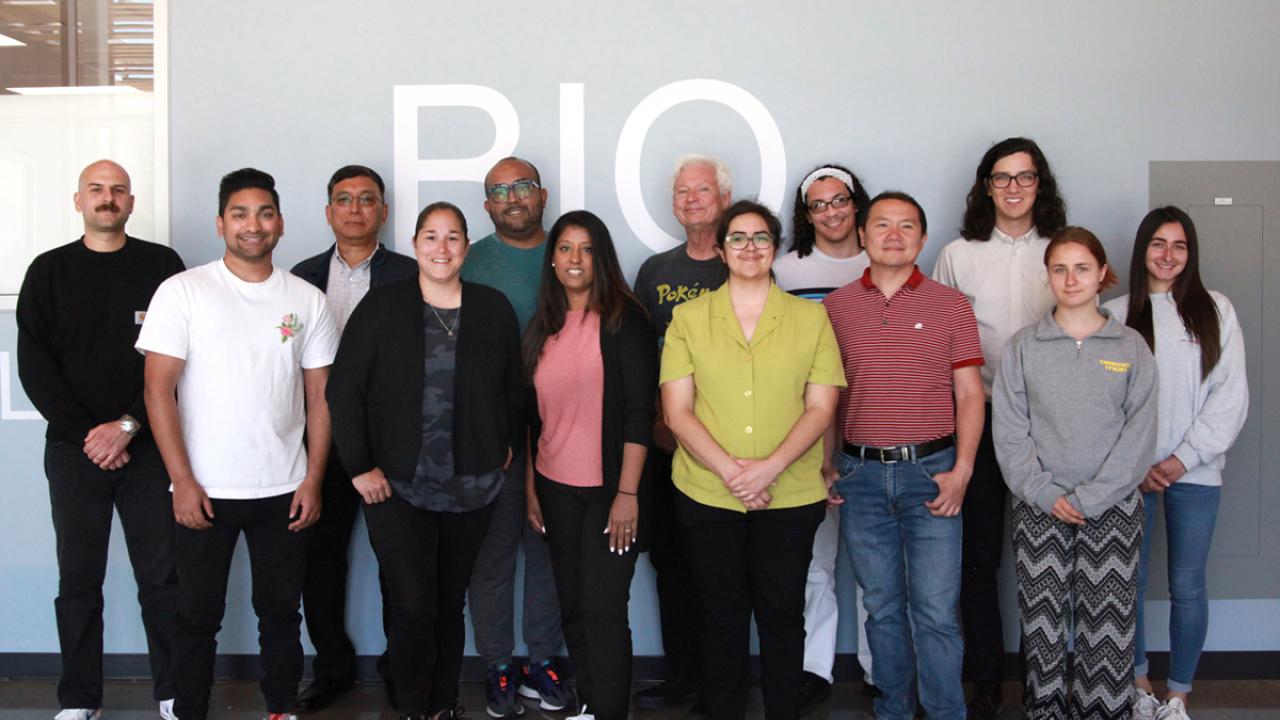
[869, 690]
[664, 695]
[985, 703]
[541, 682]
[814, 691]
[500, 691]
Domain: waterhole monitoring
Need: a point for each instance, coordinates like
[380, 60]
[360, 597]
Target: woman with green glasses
[750, 379]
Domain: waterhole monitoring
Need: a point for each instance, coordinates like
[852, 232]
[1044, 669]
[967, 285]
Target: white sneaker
[166, 710]
[584, 715]
[1175, 709]
[1145, 705]
[78, 714]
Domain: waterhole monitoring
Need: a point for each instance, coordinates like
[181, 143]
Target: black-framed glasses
[503, 192]
[739, 240]
[364, 200]
[1026, 178]
[818, 206]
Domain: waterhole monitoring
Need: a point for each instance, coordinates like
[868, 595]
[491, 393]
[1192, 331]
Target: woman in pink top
[592, 357]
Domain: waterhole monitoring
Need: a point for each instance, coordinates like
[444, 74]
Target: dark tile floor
[35, 700]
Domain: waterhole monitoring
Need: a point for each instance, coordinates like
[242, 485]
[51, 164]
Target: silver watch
[129, 425]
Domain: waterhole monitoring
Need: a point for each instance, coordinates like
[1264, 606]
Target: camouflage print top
[435, 486]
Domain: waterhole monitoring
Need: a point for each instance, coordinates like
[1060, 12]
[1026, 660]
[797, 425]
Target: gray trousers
[492, 591]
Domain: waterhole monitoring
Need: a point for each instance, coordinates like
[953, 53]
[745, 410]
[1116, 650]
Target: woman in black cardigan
[592, 356]
[425, 395]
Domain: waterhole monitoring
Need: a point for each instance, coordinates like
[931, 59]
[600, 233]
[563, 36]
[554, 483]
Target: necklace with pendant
[440, 320]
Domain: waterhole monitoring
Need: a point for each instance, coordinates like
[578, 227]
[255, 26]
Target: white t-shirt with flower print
[240, 394]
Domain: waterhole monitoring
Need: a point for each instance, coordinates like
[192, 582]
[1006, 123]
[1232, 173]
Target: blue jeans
[906, 559]
[1190, 513]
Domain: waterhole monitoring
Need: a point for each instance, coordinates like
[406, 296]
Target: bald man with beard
[78, 314]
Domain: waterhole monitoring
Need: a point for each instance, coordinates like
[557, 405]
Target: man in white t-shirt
[238, 353]
[825, 255]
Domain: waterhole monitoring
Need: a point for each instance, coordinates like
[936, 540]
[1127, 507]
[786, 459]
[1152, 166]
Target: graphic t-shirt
[672, 277]
[240, 394]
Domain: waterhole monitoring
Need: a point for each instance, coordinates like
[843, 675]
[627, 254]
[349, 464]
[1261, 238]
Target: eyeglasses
[1026, 178]
[818, 206]
[739, 240]
[521, 189]
[364, 200]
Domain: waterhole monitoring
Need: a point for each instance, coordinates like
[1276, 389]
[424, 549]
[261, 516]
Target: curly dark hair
[1049, 212]
[803, 235]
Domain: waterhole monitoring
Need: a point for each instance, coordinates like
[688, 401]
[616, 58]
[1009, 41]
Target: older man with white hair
[700, 192]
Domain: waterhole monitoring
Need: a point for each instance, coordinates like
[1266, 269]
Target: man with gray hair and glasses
[353, 265]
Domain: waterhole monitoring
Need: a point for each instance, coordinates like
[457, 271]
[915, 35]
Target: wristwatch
[129, 426]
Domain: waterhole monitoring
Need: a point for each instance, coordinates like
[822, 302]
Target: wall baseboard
[1221, 665]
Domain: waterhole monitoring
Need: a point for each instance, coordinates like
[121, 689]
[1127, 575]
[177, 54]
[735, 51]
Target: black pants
[277, 559]
[744, 563]
[594, 585]
[81, 496]
[426, 559]
[324, 588]
[983, 512]
[677, 606]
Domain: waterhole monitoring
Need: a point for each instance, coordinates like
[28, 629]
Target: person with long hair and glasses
[1204, 398]
[750, 380]
[1075, 429]
[825, 255]
[427, 398]
[1012, 210]
[592, 357]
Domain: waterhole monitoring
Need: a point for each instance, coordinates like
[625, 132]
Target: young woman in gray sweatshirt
[1204, 398]
[1074, 415]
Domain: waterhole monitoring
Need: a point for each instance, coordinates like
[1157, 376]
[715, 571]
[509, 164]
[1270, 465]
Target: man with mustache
[510, 259]
[353, 265]
[78, 315]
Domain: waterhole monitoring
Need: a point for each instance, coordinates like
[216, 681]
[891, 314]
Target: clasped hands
[748, 480]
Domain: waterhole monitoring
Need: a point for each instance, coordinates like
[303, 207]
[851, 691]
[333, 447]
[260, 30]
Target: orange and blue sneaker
[500, 691]
[541, 682]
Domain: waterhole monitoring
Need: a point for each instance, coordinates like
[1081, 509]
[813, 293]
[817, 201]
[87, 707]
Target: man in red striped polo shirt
[910, 422]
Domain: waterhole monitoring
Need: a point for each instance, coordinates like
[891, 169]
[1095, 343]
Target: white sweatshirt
[1198, 420]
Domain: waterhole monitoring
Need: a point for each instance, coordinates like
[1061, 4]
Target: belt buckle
[892, 455]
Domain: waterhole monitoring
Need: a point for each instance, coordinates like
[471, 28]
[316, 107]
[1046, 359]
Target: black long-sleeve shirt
[78, 315]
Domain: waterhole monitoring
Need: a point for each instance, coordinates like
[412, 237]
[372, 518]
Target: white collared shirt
[1006, 283]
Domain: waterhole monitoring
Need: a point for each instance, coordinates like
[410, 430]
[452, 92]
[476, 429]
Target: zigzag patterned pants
[1086, 574]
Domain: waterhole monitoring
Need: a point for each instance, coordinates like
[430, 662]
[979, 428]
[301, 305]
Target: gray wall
[908, 94]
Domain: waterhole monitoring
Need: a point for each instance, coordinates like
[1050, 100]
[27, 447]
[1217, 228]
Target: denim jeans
[908, 564]
[1190, 512]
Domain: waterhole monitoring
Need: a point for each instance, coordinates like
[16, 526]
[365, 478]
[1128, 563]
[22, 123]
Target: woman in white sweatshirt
[1203, 400]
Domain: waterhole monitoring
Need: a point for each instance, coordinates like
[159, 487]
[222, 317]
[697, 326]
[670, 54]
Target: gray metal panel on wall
[1236, 208]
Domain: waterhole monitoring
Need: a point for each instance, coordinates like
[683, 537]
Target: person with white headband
[825, 255]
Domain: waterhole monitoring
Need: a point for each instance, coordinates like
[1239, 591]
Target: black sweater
[376, 384]
[78, 315]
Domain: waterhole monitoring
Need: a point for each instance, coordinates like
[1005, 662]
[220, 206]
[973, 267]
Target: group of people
[738, 411]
